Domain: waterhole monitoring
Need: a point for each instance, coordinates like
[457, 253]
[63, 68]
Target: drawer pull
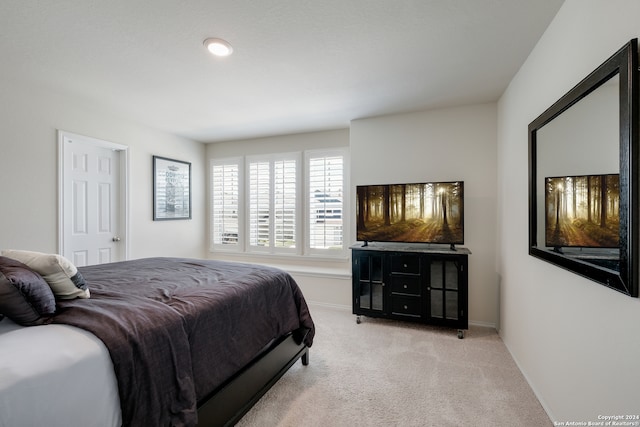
[405, 307]
[405, 266]
[405, 286]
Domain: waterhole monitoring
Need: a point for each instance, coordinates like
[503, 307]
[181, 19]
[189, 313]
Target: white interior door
[93, 214]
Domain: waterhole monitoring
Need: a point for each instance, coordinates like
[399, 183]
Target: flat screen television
[582, 211]
[429, 212]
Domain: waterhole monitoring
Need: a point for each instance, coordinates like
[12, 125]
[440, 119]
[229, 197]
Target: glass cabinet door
[443, 289]
[370, 282]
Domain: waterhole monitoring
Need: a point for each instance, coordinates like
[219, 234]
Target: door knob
[116, 239]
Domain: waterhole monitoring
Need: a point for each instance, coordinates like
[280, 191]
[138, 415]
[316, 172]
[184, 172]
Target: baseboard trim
[483, 324]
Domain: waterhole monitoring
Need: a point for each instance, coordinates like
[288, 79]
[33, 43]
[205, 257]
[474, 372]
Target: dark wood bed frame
[227, 404]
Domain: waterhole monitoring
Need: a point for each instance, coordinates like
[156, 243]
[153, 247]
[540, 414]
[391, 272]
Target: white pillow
[63, 277]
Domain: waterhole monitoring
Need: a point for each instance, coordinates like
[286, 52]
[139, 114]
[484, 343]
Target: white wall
[29, 119]
[577, 342]
[441, 145]
[279, 144]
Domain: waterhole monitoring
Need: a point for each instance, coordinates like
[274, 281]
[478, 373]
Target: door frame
[123, 211]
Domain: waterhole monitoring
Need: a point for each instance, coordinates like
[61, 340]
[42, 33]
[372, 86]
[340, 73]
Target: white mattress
[55, 375]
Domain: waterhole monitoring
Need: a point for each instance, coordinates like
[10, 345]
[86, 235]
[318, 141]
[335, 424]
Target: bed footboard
[234, 398]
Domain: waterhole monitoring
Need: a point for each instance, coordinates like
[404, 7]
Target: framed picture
[171, 189]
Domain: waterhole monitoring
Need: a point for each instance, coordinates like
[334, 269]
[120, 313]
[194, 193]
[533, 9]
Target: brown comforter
[178, 328]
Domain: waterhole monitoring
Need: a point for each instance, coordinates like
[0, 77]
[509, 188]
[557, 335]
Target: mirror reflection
[577, 179]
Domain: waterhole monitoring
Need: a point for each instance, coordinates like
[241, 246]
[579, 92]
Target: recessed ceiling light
[218, 47]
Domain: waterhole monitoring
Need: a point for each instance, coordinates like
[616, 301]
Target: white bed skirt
[55, 375]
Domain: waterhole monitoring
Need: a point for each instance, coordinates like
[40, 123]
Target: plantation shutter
[280, 204]
[326, 202]
[225, 203]
[259, 203]
[285, 203]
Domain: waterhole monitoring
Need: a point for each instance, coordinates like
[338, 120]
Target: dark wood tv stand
[413, 282]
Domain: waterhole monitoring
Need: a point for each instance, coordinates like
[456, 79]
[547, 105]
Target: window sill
[338, 257]
[306, 265]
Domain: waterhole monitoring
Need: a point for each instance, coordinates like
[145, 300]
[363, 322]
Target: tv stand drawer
[406, 285]
[406, 306]
[405, 264]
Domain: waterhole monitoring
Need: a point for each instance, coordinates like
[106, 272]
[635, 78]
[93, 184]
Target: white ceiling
[297, 66]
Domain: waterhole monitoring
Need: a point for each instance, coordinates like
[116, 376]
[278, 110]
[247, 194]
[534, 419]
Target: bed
[160, 341]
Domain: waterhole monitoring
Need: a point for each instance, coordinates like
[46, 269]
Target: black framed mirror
[583, 176]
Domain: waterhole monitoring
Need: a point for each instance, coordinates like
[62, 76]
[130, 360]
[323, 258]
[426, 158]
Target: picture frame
[171, 189]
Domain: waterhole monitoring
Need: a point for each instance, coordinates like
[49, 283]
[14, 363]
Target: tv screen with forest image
[430, 212]
[582, 211]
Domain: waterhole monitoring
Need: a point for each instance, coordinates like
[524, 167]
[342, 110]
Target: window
[273, 210]
[225, 198]
[326, 184]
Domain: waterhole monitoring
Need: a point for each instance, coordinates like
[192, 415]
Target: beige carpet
[387, 373]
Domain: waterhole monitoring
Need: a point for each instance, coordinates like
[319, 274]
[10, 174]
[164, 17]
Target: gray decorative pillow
[25, 297]
[61, 275]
